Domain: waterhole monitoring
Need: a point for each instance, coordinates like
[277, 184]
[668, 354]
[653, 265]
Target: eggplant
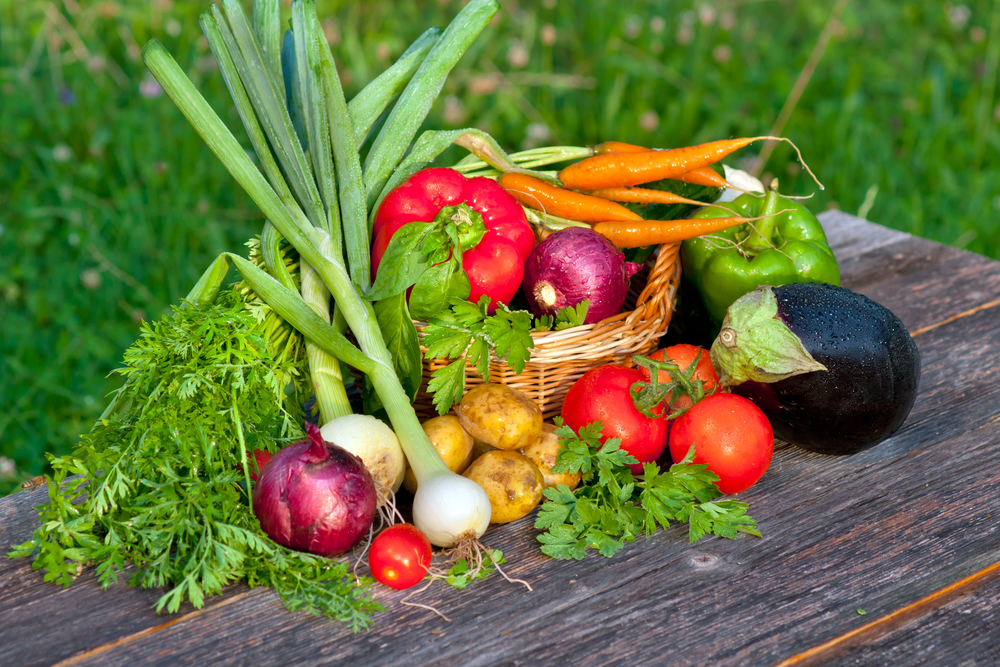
[834, 371]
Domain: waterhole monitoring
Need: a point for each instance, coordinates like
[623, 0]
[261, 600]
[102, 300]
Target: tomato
[731, 435]
[603, 394]
[684, 356]
[400, 556]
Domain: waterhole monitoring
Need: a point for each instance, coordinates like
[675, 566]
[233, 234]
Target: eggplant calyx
[756, 344]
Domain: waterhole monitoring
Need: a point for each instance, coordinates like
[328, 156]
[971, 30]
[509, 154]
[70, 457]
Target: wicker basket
[559, 358]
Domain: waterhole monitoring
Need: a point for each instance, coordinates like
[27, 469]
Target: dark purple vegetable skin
[872, 377]
[315, 496]
[573, 265]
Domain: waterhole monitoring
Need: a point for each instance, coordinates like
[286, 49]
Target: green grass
[110, 206]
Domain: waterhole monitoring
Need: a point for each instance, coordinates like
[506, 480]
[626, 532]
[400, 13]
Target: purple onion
[573, 265]
[315, 496]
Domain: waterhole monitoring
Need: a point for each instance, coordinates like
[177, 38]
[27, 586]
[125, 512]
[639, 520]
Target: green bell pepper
[785, 245]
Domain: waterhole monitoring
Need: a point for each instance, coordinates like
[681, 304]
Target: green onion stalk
[321, 203]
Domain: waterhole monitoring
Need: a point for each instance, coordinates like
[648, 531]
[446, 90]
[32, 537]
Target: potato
[512, 482]
[479, 448]
[500, 416]
[451, 442]
[543, 454]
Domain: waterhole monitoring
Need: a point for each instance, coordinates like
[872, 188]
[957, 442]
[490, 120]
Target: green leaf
[611, 506]
[436, 287]
[447, 384]
[569, 317]
[402, 263]
[400, 337]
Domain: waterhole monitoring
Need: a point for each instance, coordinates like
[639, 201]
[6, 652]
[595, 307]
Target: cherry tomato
[400, 556]
[603, 394]
[684, 356]
[730, 434]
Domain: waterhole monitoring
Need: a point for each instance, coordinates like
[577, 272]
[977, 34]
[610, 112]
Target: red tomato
[684, 356]
[400, 556]
[730, 434]
[603, 394]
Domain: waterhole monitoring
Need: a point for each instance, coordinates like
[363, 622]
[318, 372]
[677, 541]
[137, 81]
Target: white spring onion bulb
[449, 508]
[371, 440]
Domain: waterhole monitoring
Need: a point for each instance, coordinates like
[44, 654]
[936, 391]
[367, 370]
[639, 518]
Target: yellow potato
[512, 482]
[543, 454]
[451, 442]
[479, 448]
[500, 416]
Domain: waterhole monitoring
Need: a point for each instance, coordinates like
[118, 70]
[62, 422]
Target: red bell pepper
[495, 266]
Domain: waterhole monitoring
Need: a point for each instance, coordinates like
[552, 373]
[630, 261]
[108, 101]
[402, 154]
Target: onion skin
[573, 265]
[315, 496]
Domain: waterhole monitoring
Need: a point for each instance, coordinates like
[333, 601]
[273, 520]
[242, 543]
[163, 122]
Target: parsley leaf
[467, 334]
[565, 318]
[461, 576]
[612, 506]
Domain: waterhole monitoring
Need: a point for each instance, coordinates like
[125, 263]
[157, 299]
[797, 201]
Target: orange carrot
[701, 176]
[541, 196]
[619, 169]
[705, 176]
[619, 147]
[655, 232]
[643, 196]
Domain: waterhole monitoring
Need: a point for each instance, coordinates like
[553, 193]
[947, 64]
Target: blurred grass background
[111, 206]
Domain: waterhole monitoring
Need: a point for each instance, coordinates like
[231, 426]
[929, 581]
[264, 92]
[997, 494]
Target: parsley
[611, 506]
[466, 334]
[460, 576]
[566, 318]
[161, 493]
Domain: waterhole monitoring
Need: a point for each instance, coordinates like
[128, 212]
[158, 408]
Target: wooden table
[890, 556]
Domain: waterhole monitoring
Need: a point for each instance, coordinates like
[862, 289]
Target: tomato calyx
[650, 396]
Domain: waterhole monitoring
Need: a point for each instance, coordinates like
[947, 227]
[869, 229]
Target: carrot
[701, 176]
[619, 147]
[655, 232]
[643, 196]
[539, 195]
[619, 169]
[705, 176]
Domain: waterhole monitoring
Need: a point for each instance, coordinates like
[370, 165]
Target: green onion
[267, 28]
[413, 105]
[375, 98]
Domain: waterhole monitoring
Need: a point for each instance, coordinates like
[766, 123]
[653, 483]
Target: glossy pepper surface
[786, 245]
[495, 265]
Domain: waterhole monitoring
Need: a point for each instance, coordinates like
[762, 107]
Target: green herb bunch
[158, 489]
[612, 506]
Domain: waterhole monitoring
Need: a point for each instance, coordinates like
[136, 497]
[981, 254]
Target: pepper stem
[465, 222]
[760, 238]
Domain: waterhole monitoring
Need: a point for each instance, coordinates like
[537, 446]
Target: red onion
[314, 496]
[573, 265]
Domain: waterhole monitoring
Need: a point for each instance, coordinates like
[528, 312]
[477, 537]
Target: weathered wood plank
[962, 632]
[876, 531]
[868, 639]
[922, 282]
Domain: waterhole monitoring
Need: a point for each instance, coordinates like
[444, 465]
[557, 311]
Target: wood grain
[877, 531]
